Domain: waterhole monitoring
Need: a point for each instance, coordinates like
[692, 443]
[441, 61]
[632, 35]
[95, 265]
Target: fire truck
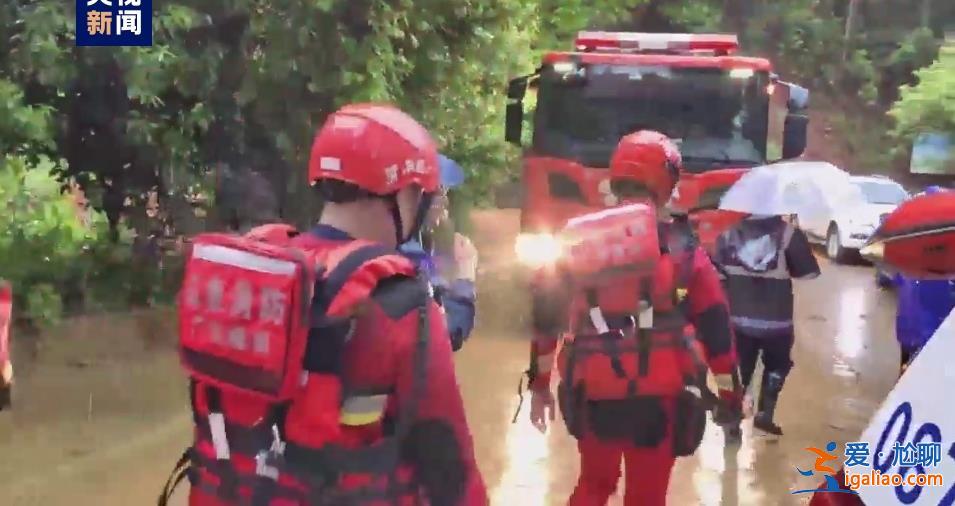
[727, 113]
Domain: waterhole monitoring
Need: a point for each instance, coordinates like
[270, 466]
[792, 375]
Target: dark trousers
[776, 351]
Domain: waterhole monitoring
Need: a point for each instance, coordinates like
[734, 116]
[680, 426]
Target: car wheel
[883, 280]
[834, 249]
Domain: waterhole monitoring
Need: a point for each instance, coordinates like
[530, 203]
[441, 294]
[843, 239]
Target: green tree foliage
[225, 104]
[928, 106]
[232, 85]
[40, 233]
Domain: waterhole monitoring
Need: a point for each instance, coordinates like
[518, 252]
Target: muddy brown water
[101, 414]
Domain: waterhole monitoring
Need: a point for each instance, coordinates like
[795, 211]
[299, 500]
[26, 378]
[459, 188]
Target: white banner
[917, 416]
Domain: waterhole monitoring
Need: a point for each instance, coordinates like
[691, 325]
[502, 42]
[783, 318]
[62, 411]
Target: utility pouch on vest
[573, 407]
[640, 421]
[689, 423]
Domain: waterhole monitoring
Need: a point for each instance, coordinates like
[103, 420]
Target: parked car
[847, 223]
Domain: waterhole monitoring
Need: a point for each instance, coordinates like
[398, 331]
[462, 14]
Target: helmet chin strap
[420, 216]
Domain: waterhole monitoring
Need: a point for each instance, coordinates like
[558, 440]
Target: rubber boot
[733, 435]
[766, 408]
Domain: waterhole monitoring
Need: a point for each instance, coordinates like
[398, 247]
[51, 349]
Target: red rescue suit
[637, 413]
[377, 359]
[6, 363]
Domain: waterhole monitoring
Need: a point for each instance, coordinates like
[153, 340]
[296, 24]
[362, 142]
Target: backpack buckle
[645, 316]
[267, 462]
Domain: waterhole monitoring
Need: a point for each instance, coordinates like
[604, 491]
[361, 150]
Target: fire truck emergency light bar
[630, 41]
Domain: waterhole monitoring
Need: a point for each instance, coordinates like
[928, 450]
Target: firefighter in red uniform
[368, 197]
[379, 418]
[650, 424]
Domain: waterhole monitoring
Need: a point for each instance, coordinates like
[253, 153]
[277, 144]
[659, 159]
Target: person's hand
[542, 408]
[466, 257]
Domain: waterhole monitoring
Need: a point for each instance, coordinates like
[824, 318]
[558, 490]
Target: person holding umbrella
[759, 259]
[457, 297]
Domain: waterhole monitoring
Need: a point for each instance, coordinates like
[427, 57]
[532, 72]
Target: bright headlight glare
[874, 251]
[565, 67]
[741, 73]
[537, 250]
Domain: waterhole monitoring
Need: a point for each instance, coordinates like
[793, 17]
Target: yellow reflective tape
[363, 410]
[724, 381]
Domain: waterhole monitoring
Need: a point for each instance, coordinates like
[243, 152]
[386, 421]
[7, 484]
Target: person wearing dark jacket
[452, 275]
[759, 259]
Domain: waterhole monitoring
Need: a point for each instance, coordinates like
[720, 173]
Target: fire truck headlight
[537, 250]
[741, 73]
[873, 252]
[565, 67]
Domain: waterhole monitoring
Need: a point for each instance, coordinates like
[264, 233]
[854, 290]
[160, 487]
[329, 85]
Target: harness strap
[339, 275]
[594, 344]
[643, 329]
[596, 315]
[215, 422]
[243, 440]
[608, 338]
[409, 412]
[316, 495]
[262, 489]
[180, 471]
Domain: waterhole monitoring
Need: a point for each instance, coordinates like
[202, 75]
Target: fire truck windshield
[718, 116]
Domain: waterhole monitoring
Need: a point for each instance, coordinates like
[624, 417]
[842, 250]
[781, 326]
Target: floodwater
[101, 407]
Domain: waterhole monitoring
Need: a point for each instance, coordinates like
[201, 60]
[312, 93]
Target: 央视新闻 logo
[114, 23]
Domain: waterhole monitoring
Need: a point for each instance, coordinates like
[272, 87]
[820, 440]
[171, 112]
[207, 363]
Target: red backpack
[614, 257]
[253, 311]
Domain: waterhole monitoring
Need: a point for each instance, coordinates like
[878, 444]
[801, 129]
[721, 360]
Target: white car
[845, 225]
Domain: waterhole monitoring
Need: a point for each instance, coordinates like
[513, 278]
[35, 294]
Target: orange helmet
[376, 147]
[645, 164]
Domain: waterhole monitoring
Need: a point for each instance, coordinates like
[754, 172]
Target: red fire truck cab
[727, 113]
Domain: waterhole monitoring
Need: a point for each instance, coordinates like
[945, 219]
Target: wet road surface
[101, 414]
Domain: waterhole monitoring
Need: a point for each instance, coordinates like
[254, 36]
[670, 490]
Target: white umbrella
[802, 188]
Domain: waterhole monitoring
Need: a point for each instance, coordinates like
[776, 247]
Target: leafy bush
[43, 241]
[928, 106]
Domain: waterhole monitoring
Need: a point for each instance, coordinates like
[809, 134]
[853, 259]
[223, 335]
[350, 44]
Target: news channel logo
[114, 22]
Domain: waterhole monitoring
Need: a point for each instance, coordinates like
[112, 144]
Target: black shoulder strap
[327, 338]
[408, 412]
[330, 283]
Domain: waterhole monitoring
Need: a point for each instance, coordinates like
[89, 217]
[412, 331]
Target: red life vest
[628, 335]
[253, 313]
[6, 317]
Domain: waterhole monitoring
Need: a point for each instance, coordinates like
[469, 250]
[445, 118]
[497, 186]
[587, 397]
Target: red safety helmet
[645, 162]
[376, 147]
